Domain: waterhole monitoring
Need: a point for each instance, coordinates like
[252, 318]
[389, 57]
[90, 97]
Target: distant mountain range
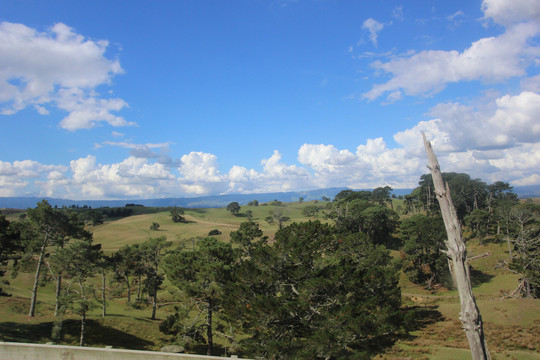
[213, 201]
[210, 201]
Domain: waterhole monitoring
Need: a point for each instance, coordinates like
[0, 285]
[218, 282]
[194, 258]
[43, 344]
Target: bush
[214, 232]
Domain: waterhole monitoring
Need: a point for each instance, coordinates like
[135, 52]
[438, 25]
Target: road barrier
[21, 351]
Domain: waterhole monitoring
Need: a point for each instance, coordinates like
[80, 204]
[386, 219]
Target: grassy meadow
[512, 326]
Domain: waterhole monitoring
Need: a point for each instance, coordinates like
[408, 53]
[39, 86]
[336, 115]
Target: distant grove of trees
[315, 291]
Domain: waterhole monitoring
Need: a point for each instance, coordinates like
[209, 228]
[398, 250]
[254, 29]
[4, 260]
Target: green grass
[136, 229]
[511, 325]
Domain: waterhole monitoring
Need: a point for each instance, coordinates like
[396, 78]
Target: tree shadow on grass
[417, 317]
[97, 334]
[414, 318]
[31, 333]
[478, 277]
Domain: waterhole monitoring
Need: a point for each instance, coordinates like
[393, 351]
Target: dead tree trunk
[459, 267]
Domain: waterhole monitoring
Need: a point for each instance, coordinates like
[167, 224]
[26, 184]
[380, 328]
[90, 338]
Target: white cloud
[507, 121]
[12, 187]
[490, 59]
[373, 164]
[57, 68]
[133, 177]
[507, 12]
[85, 111]
[200, 174]
[374, 27]
[17, 176]
[324, 158]
[493, 140]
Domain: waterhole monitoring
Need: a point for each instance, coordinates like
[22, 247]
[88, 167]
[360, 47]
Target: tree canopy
[423, 241]
[316, 294]
[233, 207]
[204, 273]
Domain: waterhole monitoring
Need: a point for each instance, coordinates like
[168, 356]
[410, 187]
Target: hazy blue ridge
[210, 201]
[213, 201]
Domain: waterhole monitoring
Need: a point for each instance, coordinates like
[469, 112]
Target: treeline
[54, 245]
[490, 212]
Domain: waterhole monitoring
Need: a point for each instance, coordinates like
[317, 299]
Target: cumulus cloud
[512, 120]
[15, 177]
[374, 27]
[507, 12]
[490, 59]
[133, 177]
[200, 174]
[324, 158]
[58, 68]
[372, 164]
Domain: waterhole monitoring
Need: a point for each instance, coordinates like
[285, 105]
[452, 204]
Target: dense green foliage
[467, 194]
[316, 294]
[43, 228]
[9, 244]
[378, 222]
[423, 241]
[205, 273]
[310, 211]
[78, 262]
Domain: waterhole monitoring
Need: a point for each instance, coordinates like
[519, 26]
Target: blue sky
[148, 99]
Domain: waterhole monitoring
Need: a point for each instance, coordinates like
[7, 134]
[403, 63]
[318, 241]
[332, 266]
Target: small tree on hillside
[234, 208]
[310, 211]
[279, 215]
[177, 215]
[125, 262]
[151, 251]
[43, 227]
[79, 262]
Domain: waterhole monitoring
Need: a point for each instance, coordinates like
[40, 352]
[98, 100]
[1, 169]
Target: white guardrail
[23, 351]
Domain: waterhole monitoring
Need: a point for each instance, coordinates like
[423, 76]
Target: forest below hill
[361, 275]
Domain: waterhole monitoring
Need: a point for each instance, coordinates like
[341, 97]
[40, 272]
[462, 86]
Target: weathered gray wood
[459, 267]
